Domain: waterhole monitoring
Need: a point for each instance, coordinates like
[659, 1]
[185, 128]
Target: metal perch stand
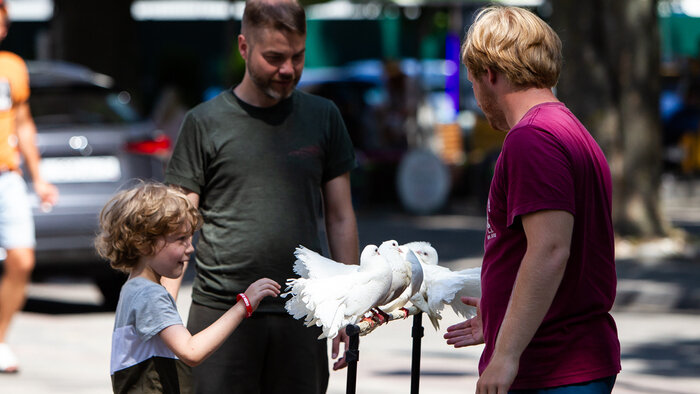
[367, 325]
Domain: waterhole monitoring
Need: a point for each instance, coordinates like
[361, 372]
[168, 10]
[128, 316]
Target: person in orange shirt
[17, 137]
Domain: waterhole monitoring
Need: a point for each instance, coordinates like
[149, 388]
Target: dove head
[368, 252]
[389, 248]
[425, 252]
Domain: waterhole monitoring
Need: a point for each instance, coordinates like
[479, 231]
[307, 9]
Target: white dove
[416, 281]
[443, 286]
[400, 272]
[332, 296]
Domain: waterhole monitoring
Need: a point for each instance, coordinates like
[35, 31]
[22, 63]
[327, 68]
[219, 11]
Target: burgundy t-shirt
[549, 161]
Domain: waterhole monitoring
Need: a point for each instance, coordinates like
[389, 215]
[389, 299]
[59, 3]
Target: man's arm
[173, 285]
[341, 225]
[26, 142]
[541, 271]
[341, 229]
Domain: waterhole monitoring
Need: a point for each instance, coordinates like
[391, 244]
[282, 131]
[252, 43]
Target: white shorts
[16, 221]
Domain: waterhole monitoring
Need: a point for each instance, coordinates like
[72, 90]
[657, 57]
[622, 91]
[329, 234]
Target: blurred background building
[392, 67]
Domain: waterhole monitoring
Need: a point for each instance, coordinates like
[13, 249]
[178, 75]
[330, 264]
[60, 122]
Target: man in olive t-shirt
[264, 162]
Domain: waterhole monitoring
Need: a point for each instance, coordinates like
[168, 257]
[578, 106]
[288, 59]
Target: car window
[62, 106]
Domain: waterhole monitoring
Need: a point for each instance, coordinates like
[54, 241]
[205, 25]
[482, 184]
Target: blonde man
[548, 275]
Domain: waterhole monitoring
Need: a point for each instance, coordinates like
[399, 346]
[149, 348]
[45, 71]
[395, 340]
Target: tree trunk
[611, 82]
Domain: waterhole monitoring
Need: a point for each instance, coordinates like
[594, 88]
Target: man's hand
[498, 375]
[469, 332]
[335, 347]
[47, 193]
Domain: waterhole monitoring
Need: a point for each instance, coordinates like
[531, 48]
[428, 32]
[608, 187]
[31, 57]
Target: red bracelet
[246, 301]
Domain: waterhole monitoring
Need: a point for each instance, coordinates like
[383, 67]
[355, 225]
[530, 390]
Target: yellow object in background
[690, 143]
[450, 134]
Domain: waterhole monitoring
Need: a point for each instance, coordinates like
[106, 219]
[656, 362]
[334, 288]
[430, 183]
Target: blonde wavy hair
[515, 42]
[134, 220]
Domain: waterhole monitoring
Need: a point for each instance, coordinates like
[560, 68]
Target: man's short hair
[515, 42]
[282, 15]
[134, 220]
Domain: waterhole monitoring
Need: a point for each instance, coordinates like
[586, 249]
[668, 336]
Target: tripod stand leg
[417, 334]
[352, 355]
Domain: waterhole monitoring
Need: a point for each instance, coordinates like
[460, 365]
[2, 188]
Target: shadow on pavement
[677, 358]
[668, 285]
[52, 307]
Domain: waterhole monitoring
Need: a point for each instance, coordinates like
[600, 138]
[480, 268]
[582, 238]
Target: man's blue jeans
[600, 386]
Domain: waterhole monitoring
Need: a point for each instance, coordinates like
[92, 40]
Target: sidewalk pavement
[69, 353]
[66, 350]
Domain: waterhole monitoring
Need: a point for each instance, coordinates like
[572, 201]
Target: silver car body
[92, 144]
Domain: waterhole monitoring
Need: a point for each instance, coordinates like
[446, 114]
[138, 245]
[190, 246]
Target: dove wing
[470, 280]
[335, 301]
[310, 264]
[420, 301]
[414, 286]
[416, 272]
[442, 284]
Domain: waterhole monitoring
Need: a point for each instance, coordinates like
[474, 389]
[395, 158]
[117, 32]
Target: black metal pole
[352, 355]
[417, 334]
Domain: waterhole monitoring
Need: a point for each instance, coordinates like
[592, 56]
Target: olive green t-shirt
[258, 173]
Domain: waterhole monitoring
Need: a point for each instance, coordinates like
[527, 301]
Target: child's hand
[260, 289]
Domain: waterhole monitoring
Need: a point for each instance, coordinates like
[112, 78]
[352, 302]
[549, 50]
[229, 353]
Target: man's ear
[491, 75]
[243, 47]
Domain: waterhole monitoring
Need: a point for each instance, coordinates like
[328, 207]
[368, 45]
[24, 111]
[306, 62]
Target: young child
[147, 232]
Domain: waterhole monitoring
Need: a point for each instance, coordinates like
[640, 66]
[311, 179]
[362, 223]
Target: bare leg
[13, 285]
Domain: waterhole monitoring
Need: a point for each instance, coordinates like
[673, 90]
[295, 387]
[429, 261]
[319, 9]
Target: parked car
[92, 143]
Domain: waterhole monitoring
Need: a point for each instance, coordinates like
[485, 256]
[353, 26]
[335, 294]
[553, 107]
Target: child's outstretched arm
[193, 349]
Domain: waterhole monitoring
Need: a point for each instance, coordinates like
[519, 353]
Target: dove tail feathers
[327, 313]
[332, 316]
[435, 320]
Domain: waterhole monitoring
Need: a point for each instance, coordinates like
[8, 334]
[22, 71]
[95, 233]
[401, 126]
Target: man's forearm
[343, 240]
[26, 141]
[341, 224]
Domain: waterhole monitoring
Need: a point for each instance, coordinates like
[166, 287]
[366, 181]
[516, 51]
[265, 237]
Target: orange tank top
[14, 90]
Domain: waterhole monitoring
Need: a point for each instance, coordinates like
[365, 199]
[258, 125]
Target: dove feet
[380, 316]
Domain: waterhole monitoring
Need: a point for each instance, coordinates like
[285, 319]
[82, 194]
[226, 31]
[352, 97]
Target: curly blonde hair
[134, 220]
[515, 42]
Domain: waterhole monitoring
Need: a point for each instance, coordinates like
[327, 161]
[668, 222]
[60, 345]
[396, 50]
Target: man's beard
[265, 85]
[494, 115]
